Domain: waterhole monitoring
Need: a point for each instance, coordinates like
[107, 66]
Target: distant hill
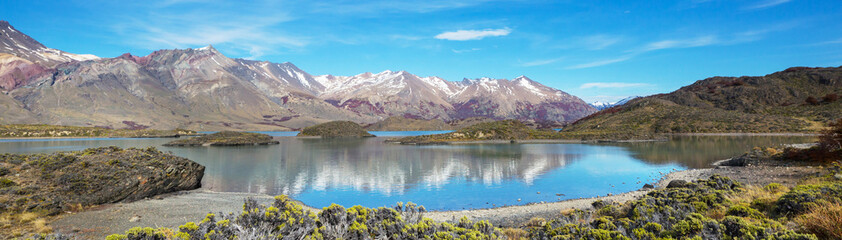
[797, 99]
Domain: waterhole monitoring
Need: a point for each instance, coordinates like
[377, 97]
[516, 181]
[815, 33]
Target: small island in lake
[398, 123]
[225, 138]
[335, 129]
[509, 130]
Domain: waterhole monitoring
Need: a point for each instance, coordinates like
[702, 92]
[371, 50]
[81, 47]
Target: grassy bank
[48, 131]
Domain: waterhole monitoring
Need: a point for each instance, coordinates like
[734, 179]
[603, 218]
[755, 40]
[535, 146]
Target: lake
[372, 173]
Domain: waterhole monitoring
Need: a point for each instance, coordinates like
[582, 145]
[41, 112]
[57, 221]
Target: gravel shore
[176, 209]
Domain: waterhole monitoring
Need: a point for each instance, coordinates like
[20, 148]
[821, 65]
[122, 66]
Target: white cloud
[599, 63]
[760, 33]
[598, 42]
[465, 35]
[766, 4]
[541, 62]
[837, 41]
[390, 6]
[612, 85]
[653, 46]
[251, 36]
[682, 43]
[405, 37]
[466, 50]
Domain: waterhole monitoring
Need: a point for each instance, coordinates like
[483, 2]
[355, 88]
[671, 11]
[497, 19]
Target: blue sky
[597, 50]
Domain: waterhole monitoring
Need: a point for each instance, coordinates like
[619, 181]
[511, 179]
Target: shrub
[5, 182]
[811, 100]
[831, 139]
[803, 197]
[824, 220]
[829, 98]
[774, 188]
[744, 211]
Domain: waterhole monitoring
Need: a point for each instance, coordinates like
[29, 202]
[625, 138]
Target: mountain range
[600, 105]
[203, 89]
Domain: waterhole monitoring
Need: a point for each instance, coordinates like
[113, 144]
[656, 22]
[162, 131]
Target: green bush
[802, 197]
[744, 211]
[5, 182]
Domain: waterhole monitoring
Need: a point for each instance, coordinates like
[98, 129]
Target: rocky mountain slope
[794, 100]
[205, 90]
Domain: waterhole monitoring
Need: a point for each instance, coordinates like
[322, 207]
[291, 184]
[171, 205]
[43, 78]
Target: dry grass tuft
[753, 193]
[535, 222]
[27, 217]
[40, 226]
[567, 212]
[13, 225]
[824, 220]
[515, 233]
[716, 213]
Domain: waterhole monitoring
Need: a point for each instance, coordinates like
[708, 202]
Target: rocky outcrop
[225, 138]
[335, 129]
[61, 181]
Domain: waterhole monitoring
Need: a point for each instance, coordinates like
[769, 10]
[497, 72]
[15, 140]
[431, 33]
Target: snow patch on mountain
[600, 105]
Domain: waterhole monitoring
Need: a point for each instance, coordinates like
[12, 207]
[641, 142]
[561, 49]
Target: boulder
[677, 184]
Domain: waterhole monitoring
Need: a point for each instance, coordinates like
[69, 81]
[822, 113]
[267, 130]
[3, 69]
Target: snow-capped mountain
[18, 44]
[521, 98]
[599, 105]
[203, 89]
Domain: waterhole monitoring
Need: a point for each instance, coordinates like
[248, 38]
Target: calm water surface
[372, 173]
